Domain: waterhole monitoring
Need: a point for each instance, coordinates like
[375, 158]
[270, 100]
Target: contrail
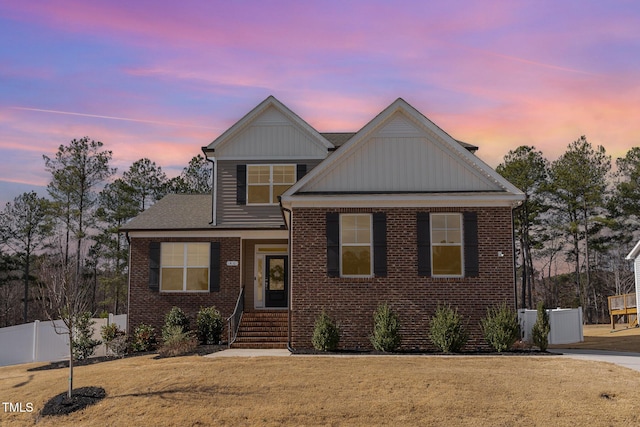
[69, 113]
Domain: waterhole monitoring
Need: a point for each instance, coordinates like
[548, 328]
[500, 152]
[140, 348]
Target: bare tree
[63, 296]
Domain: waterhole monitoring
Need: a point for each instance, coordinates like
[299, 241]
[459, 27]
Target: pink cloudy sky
[160, 79]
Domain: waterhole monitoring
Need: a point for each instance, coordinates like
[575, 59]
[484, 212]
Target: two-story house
[301, 221]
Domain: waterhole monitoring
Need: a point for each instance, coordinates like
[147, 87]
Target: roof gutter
[214, 182]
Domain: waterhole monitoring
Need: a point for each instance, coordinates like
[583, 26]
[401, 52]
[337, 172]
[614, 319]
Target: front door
[275, 279]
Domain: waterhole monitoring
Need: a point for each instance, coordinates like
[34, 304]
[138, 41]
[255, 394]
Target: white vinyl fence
[566, 324]
[39, 342]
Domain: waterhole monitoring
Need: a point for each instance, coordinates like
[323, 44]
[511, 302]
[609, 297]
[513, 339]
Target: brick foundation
[351, 302]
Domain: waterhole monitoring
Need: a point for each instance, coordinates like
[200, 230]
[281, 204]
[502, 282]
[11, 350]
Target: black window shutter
[301, 170]
[333, 244]
[471, 258]
[424, 244]
[241, 186]
[214, 267]
[380, 244]
[154, 266]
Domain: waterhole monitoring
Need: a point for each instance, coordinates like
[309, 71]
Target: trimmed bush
[541, 329]
[447, 331]
[500, 327]
[326, 334]
[144, 338]
[114, 339]
[177, 342]
[209, 323]
[175, 317]
[386, 329]
[83, 343]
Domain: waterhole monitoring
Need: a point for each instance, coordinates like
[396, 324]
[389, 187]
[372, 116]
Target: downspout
[126, 234]
[214, 184]
[289, 228]
[513, 243]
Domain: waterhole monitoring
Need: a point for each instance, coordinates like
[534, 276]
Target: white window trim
[270, 165]
[370, 245]
[461, 245]
[184, 270]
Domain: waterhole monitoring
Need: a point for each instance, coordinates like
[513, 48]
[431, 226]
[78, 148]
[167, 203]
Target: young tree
[76, 171]
[578, 187]
[64, 296]
[528, 170]
[26, 224]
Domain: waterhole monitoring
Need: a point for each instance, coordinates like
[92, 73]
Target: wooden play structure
[623, 305]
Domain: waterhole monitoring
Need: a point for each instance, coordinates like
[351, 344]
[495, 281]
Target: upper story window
[266, 182]
[356, 245]
[446, 244]
[184, 267]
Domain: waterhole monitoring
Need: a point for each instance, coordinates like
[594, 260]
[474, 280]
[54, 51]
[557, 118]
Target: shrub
[386, 329]
[209, 323]
[447, 331]
[175, 317]
[114, 339]
[144, 338]
[500, 327]
[83, 343]
[177, 342]
[326, 334]
[541, 329]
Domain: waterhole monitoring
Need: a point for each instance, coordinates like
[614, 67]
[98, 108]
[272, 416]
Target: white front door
[264, 259]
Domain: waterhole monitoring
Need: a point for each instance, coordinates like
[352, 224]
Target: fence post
[34, 347]
[110, 319]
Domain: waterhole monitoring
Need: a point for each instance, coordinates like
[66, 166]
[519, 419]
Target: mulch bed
[201, 350]
[80, 399]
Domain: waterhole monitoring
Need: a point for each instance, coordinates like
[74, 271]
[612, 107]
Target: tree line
[70, 240]
[579, 219]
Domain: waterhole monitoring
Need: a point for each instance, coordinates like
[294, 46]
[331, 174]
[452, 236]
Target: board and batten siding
[402, 157]
[230, 213]
[272, 135]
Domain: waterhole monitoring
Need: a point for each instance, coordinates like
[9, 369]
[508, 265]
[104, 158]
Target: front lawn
[317, 390]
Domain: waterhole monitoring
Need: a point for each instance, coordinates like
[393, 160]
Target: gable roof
[400, 151]
[174, 212]
[271, 114]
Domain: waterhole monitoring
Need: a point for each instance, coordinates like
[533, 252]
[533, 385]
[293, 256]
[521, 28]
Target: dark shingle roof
[174, 212]
[337, 138]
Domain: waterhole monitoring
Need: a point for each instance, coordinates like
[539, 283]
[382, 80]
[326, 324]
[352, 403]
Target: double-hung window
[356, 245]
[266, 182]
[446, 244]
[184, 267]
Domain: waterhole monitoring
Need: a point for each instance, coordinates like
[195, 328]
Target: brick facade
[351, 302]
[147, 306]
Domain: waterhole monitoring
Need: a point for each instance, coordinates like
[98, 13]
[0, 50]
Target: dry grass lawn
[361, 390]
[318, 390]
[601, 337]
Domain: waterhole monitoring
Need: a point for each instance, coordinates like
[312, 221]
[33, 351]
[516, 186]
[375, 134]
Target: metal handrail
[234, 320]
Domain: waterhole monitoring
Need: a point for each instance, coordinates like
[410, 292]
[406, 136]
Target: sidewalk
[625, 359]
[249, 352]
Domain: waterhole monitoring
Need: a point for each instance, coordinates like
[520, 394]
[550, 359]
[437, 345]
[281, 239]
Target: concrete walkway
[249, 352]
[628, 360]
